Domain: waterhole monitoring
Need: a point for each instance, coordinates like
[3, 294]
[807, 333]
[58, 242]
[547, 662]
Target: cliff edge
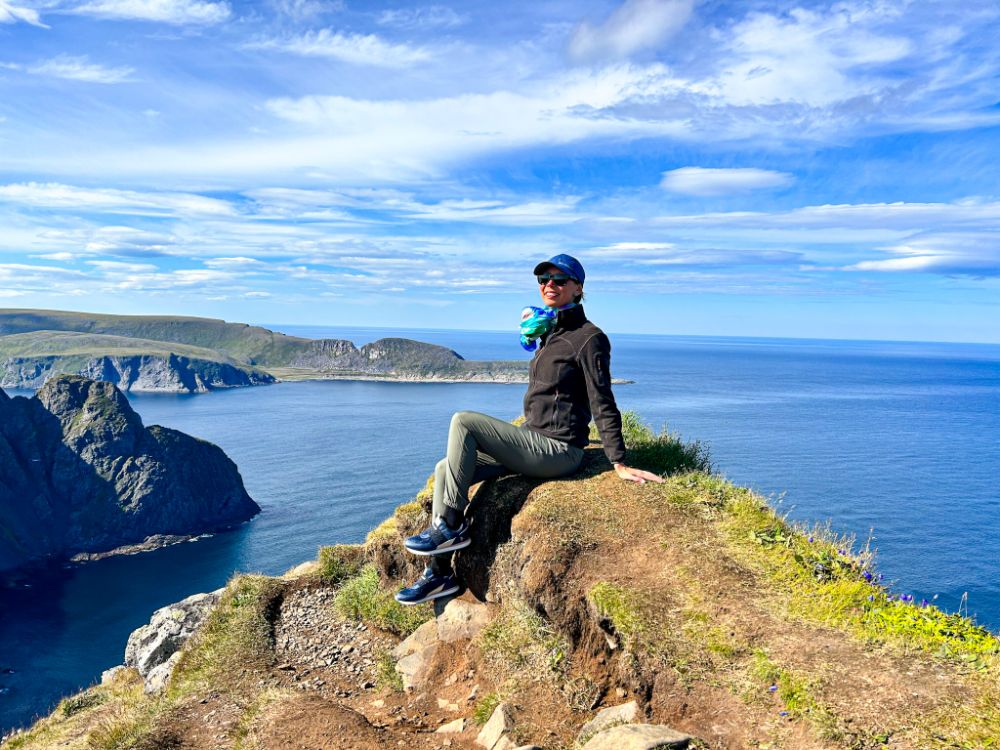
[80, 473]
[600, 615]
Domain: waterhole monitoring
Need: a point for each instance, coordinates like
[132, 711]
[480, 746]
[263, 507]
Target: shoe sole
[440, 550]
[430, 597]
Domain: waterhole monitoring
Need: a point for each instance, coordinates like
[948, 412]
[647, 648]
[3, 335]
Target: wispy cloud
[356, 49]
[176, 12]
[107, 200]
[634, 26]
[421, 17]
[10, 13]
[75, 69]
[712, 182]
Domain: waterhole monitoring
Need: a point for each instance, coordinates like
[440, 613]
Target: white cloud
[107, 200]
[129, 242]
[302, 10]
[176, 12]
[975, 254]
[77, 69]
[809, 57]
[356, 49]
[10, 13]
[634, 26]
[6, 293]
[712, 182]
[424, 17]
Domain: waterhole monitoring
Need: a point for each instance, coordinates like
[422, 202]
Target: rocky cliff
[29, 338]
[80, 473]
[598, 615]
[145, 372]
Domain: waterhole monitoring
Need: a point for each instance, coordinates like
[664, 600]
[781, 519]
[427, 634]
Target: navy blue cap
[565, 263]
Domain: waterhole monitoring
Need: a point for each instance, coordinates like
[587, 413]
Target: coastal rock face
[144, 372]
[80, 473]
[154, 648]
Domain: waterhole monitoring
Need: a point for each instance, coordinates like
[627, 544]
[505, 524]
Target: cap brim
[542, 266]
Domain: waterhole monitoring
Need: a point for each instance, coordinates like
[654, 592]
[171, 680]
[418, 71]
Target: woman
[569, 382]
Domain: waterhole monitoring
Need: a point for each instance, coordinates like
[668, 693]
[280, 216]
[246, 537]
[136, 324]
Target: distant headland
[196, 355]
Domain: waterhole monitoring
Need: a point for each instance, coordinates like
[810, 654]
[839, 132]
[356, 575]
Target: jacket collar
[570, 319]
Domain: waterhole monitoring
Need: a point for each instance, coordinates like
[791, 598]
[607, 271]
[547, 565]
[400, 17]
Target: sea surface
[899, 442]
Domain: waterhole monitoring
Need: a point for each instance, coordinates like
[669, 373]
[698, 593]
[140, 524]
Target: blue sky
[732, 168]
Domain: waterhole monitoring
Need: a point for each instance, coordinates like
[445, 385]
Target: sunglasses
[559, 279]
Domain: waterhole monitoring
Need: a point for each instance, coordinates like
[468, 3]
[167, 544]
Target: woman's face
[557, 296]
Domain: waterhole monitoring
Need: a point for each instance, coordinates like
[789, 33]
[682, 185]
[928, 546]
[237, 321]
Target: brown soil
[705, 615]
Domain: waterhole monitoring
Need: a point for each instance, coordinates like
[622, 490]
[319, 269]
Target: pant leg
[516, 449]
[486, 468]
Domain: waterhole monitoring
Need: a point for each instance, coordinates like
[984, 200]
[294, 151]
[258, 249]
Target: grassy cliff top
[72, 343]
[246, 343]
[692, 597]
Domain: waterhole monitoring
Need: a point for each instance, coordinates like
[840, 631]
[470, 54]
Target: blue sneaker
[429, 586]
[439, 538]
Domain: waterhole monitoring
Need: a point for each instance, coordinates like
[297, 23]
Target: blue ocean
[899, 442]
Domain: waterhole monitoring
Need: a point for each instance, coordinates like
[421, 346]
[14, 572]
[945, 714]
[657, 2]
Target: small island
[197, 355]
[81, 476]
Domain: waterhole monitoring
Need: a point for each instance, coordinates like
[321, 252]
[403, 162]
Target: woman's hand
[636, 475]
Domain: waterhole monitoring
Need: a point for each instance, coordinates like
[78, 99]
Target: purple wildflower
[772, 688]
[782, 713]
[810, 540]
[871, 597]
[924, 602]
[867, 576]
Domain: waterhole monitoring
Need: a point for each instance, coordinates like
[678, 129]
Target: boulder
[493, 735]
[461, 620]
[638, 737]
[415, 653]
[626, 713]
[458, 725]
[153, 647]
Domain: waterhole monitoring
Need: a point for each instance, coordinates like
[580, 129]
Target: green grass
[77, 703]
[386, 674]
[339, 562]
[236, 640]
[621, 607]
[485, 707]
[363, 598]
[663, 453]
[795, 693]
[520, 639]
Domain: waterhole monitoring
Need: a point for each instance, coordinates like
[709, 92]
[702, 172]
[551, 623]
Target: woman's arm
[595, 359]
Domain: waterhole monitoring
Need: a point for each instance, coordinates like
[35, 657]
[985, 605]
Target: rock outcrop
[80, 473]
[142, 372]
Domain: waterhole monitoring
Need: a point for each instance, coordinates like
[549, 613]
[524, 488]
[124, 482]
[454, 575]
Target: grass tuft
[363, 598]
[338, 563]
[663, 453]
[485, 707]
[236, 640]
[519, 639]
[621, 609]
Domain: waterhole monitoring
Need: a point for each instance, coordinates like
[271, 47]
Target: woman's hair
[579, 298]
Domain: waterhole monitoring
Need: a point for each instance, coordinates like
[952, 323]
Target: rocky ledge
[79, 473]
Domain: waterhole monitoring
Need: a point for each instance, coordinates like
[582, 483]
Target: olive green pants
[481, 447]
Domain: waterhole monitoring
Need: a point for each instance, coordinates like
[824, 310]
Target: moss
[363, 598]
[620, 607]
[339, 562]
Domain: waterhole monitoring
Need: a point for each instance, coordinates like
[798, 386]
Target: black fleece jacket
[569, 381]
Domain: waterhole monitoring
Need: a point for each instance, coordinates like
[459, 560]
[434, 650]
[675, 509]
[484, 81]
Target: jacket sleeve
[595, 359]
